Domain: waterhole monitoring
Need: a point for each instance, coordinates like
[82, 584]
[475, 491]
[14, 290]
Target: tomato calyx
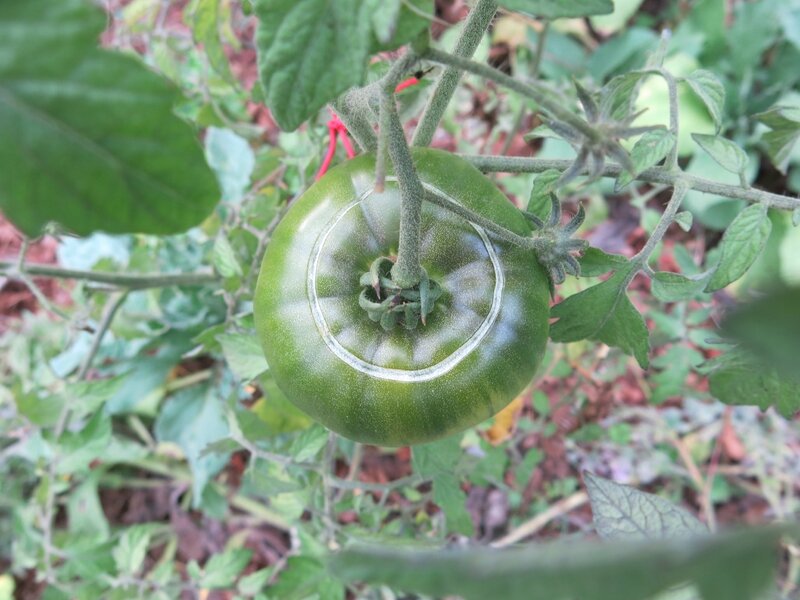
[390, 304]
[556, 247]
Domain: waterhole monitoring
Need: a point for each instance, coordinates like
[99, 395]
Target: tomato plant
[479, 347]
[146, 447]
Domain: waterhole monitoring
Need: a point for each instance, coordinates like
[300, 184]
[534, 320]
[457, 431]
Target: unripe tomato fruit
[480, 347]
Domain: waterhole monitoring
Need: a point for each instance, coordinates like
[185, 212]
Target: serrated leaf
[91, 139]
[710, 90]
[648, 151]
[539, 203]
[784, 122]
[730, 566]
[621, 512]
[206, 31]
[221, 570]
[307, 445]
[223, 257]
[674, 287]
[130, 551]
[770, 328]
[449, 496]
[739, 378]
[306, 577]
[675, 366]
[684, 220]
[618, 97]
[311, 51]
[595, 262]
[193, 418]
[233, 161]
[243, 354]
[604, 313]
[437, 461]
[556, 9]
[384, 21]
[741, 244]
[726, 153]
[79, 448]
[252, 584]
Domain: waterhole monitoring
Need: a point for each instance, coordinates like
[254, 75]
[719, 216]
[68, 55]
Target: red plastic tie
[336, 130]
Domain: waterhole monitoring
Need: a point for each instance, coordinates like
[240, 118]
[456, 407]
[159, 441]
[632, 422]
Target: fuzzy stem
[534, 73]
[130, 281]
[542, 94]
[407, 271]
[357, 125]
[474, 27]
[674, 204]
[672, 87]
[514, 164]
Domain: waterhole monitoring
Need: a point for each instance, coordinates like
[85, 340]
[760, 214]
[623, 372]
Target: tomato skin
[481, 345]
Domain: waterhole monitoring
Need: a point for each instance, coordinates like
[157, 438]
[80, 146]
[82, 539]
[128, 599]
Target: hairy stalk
[514, 164]
[357, 125]
[533, 74]
[131, 281]
[672, 87]
[667, 218]
[108, 316]
[407, 271]
[474, 27]
[540, 93]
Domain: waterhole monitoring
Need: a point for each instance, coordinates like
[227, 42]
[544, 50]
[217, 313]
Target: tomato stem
[407, 271]
[475, 25]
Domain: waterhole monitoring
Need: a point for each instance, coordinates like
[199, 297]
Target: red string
[337, 130]
[407, 83]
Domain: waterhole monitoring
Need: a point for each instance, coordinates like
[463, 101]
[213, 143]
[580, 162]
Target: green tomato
[480, 346]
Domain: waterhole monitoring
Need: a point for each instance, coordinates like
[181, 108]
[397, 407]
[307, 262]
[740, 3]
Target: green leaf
[674, 287]
[784, 122]
[85, 515]
[449, 496]
[130, 551]
[770, 328]
[223, 257]
[221, 570]
[243, 354]
[306, 577]
[556, 9]
[437, 461]
[252, 584]
[80, 448]
[311, 51]
[710, 90]
[193, 418]
[728, 154]
[233, 161]
[684, 220]
[595, 262]
[539, 203]
[621, 512]
[206, 21]
[307, 445]
[91, 139]
[604, 313]
[384, 21]
[739, 378]
[675, 365]
[730, 566]
[618, 97]
[648, 151]
[741, 244]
